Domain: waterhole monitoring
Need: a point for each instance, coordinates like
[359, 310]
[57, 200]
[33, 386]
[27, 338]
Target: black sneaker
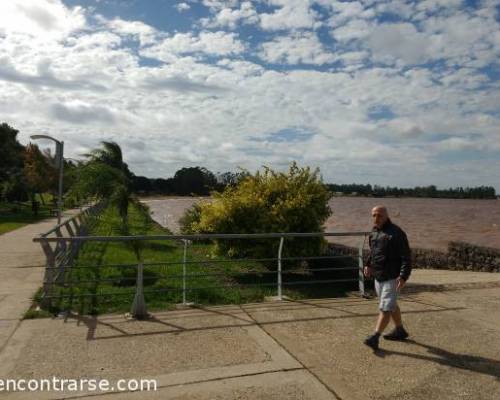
[398, 333]
[372, 341]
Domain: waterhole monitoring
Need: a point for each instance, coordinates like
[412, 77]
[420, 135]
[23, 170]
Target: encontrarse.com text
[76, 385]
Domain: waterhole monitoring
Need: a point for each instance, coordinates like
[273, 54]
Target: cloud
[209, 43]
[145, 33]
[297, 48]
[359, 103]
[180, 7]
[458, 144]
[44, 78]
[82, 113]
[289, 14]
[229, 17]
[41, 19]
[180, 84]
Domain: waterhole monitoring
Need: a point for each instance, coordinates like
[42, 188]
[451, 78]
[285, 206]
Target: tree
[12, 184]
[194, 180]
[106, 177]
[11, 152]
[39, 174]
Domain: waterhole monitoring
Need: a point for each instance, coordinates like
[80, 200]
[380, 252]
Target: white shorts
[387, 294]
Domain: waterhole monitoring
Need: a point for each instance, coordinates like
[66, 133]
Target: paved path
[20, 273]
[308, 349]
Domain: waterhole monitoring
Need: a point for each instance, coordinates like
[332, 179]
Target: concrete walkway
[308, 349]
[21, 273]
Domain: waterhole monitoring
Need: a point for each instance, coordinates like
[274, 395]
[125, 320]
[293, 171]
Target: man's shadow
[481, 365]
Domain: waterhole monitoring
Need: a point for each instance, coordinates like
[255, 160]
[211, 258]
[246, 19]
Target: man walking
[390, 264]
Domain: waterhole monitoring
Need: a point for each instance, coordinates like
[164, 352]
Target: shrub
[296, 201]
[191, 216]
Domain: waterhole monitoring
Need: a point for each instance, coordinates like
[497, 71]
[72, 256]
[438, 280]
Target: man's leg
[383, 320]
[399, 332]
[396, 317]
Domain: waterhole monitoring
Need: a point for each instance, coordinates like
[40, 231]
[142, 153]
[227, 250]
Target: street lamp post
[60, 164]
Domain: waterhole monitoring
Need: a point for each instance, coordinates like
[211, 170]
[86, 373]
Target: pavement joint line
[4, 345]
[222, 378]
[254, 323]
[295, 358]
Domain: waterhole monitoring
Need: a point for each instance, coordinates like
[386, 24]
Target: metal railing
[59, 262]
[63, 252]
[61, 248]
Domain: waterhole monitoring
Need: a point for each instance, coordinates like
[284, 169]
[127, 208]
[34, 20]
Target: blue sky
[391, 92]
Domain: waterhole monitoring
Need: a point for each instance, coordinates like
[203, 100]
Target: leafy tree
[12, 184]
[39, 174]
[194, 180]
[11, 152]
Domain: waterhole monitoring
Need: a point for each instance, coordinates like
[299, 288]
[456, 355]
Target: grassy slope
[98, 261]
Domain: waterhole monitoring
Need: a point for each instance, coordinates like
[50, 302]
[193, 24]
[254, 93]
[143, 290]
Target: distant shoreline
[171, 196]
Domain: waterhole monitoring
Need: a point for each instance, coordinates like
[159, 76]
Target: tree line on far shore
[200, 181]
[480, 192]
[26, 171]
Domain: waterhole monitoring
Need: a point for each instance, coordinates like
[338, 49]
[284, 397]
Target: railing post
[361, 276]
[69, 228]
[280, 250]
[139, 310]
[48, 279]
[184, 259]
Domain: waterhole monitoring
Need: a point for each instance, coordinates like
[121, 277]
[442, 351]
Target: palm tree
[106, 177]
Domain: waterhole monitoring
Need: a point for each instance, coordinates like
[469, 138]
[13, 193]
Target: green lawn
[96, 271]
[17, 215]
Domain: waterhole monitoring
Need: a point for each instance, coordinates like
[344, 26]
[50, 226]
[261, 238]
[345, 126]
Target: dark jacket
[389, 253]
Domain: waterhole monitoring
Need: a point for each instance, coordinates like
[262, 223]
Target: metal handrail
[203, 236]
[60, 265]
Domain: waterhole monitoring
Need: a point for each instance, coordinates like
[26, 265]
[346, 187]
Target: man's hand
[368, 271]
[401, 283]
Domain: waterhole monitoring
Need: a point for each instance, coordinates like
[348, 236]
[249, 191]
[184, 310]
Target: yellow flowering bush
[269, 201]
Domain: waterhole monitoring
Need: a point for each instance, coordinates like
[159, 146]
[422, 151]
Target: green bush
[191, 216]
[296, 201]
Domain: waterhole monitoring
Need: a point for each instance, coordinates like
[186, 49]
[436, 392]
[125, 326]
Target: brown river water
[429, 223]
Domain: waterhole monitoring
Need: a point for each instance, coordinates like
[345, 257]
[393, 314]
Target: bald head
[380, 215]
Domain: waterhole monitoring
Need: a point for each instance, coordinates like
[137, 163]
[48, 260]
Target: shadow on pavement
[233, 321]
[478, 364]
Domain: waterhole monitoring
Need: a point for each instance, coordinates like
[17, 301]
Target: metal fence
[61, 251]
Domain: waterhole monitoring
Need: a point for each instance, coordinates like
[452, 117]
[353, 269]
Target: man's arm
[405, 254]
[367, 270]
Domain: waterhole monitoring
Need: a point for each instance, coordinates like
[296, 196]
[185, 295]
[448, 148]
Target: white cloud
[144, 32]
[193, 110]
[448, 33]
[40, 19]
[345, 11]
[298, 48]
[354, 29]
[182, 7]
[229, 17]
[458, 144]
[290, 14]
[401, 41]
[211, 43]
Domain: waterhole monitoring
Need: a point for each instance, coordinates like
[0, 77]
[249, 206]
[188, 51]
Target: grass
[17, 215]
[110, 267]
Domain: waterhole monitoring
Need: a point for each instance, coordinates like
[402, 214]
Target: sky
[389, 92]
